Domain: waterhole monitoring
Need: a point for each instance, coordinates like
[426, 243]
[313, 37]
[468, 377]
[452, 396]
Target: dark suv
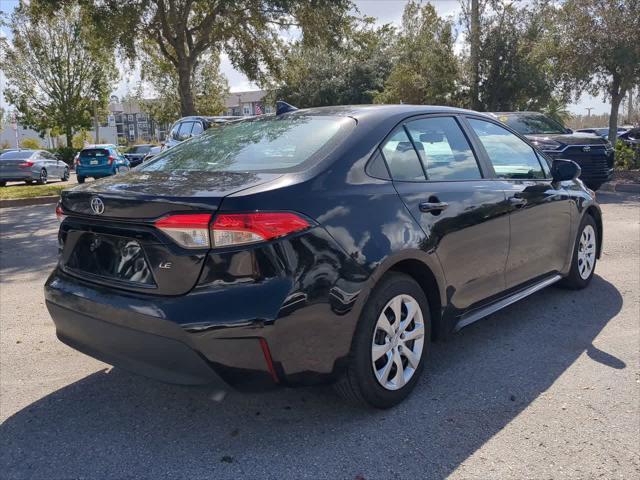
[323, 245]
[594, 154]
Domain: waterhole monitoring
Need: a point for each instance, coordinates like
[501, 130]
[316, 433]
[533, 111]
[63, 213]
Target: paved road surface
[548, 388]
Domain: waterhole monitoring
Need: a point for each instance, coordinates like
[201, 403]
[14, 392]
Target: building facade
[246, 104]
[134, 125]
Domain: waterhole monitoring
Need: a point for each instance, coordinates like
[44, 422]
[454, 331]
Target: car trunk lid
[122, 247]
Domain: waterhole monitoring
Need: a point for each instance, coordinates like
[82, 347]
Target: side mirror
[568, 130]
[562, 170]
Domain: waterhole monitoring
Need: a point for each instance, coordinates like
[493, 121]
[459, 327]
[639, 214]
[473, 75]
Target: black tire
[575, 280]
[44, 177]
[593, 185]
[65, 175]
[80, 179]
[359, 383]
[3, 184]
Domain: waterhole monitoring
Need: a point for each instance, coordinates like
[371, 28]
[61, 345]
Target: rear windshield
[16, 155]
[260, 144]
[140, 149]
[94, 153]
[532, 124]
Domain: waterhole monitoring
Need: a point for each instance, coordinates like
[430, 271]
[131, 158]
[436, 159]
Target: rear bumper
[135, 334]
[94, 172]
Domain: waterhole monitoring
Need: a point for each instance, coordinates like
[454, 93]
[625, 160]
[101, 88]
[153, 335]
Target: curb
[620, 187]
[22, 202]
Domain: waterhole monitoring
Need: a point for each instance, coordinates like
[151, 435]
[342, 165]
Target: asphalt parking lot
[548, 388]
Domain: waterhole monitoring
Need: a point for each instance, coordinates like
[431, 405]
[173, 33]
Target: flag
[259, 109]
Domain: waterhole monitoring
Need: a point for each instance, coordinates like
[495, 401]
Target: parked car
[31, 166]
[98, 161]
[601, 131]
[323, 245]
[631, 138]
[136, 154]
[152, 153]
[592, 153]
[188, 127]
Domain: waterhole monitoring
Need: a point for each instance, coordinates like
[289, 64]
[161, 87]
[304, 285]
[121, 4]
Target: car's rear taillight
[188, 230]
[26, 164]
[77, 160]
[111, 160]
[231, 229]
[60, 213]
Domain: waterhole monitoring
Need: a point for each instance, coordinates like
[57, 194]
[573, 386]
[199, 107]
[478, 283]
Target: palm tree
[557, 109]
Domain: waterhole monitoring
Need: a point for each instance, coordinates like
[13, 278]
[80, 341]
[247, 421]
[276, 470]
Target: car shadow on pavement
[112, 424]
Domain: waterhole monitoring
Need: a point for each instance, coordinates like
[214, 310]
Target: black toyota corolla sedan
[322, 245]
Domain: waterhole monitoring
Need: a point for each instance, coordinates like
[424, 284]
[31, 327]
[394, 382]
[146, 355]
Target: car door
[462, 213]
[539, 209]
[45, 162]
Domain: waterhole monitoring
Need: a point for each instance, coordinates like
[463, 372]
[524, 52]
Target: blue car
[98, 161]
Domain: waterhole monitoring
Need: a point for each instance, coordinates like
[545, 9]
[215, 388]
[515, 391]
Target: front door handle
[433, 206]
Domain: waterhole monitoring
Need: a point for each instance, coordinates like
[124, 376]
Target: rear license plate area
[111, 257]
[93, 162]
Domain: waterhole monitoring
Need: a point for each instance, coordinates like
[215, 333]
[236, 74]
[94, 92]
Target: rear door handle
[433, 206]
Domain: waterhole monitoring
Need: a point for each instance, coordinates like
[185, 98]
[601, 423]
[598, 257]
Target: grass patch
[30, 191]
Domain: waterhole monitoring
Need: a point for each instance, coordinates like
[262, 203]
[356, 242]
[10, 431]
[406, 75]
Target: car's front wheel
[80, 179]
[583, 263]
[65, 175]
[390, 344]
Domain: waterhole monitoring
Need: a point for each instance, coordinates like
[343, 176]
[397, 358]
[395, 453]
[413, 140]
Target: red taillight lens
[25, 164]
[188, 230]
[77, 160]
[60, 213]
[111, 160]
[242, 228]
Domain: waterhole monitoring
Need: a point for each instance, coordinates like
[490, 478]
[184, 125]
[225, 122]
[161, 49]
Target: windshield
[16, 155]
[94, 152]
[260, 144]
[532, 124]
[140, 149]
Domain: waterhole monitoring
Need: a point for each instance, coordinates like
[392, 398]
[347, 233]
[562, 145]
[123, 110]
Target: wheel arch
[595, 213]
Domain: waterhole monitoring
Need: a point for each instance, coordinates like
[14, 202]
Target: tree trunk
[474, 52]
[613, 118]
[630, 106]
[68, 131]
[184, 84]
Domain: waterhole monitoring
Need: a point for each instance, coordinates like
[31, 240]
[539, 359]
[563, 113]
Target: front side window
[401, 157]
[184, 131]
[510, 156]
[257, 144]
[443, 149]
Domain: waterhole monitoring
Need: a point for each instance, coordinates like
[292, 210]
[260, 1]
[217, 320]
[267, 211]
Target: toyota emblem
[586, 149]
[97, 205]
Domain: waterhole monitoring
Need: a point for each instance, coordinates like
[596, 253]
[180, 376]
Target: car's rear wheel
[80, 179]
[390, 344]
[583, 263]
[44, 177]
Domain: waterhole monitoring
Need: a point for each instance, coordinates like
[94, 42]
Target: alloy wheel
[398, 342]
[586, 252]
[43, 176]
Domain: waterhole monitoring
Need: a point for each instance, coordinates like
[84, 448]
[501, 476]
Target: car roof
[382, 111]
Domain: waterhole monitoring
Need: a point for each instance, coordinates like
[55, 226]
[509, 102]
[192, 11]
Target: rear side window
[94, 153]
[510, 156]
[259, 144]
[197, 128]
[443, 149]
[185, 130]
[401, 157]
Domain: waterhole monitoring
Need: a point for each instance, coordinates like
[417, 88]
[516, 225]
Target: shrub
[626, 158]
[65, 153]
[30, 144]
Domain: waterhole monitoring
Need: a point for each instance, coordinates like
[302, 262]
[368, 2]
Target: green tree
[30, 144]
[56, 69]
[352, 72]
[209, 86]
[250, 32]
[425, 70]
[515, 71]
[599, 49]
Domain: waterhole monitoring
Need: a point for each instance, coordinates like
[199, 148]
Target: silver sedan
[31, 166]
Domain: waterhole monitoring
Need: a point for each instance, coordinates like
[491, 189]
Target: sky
[385, 11]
